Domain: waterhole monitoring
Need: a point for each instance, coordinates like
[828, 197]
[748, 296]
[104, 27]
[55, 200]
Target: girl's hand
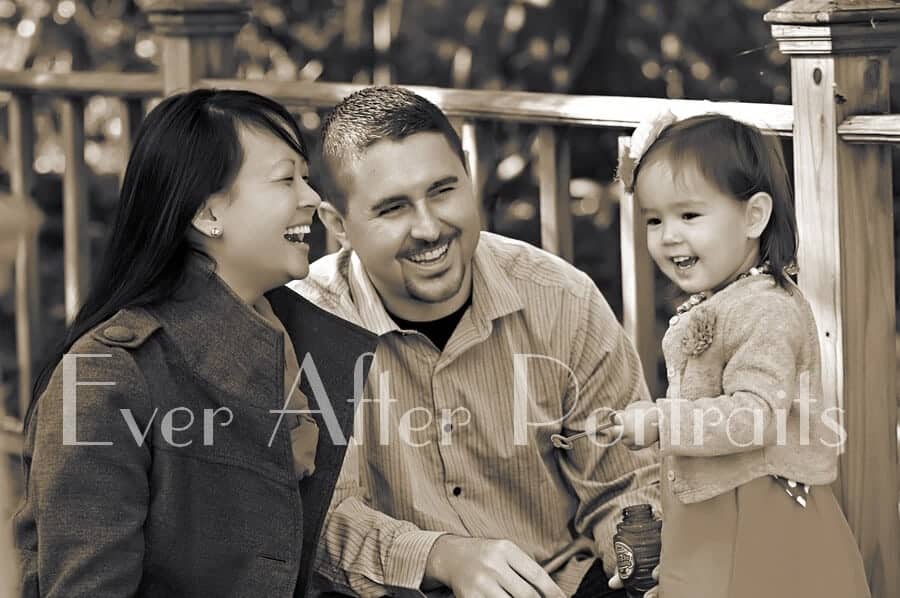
[637, 425]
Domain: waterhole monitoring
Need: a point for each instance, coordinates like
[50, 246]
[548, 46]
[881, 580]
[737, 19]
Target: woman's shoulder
[109, 350]
[129, 328]
[102, 366]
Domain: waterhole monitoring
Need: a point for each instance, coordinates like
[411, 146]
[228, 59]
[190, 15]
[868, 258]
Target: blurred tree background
[698, 49]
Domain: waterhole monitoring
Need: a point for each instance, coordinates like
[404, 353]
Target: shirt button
[671, 475]
[673, 320]
[457, 491]
[118, 334]
[448, 428]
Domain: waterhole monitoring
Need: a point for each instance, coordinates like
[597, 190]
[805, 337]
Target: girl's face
[700, 237]
[263, 217]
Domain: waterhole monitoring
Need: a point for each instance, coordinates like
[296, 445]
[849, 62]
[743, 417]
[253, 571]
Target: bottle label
[624, 560]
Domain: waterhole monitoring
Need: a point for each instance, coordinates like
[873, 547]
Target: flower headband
[643, 137]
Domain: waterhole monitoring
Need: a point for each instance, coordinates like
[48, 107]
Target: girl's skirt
[757, 540]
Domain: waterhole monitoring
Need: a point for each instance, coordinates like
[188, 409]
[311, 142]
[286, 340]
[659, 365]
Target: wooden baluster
[76, 208]
[638, 297]
[553, 173]
[469, 139]
[354, 22]
[476, 162]
[839, 67]
[385, 25]
[28, 302]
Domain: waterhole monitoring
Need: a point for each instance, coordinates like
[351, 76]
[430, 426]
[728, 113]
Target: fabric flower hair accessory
[643, 137]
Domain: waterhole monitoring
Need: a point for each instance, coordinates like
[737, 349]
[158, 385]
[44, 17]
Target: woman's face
[264, 217]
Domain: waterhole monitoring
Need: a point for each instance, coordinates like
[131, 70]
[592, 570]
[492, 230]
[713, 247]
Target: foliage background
[699, 49]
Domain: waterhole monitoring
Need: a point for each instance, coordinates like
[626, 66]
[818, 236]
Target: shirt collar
[368, 303]
[494, 295]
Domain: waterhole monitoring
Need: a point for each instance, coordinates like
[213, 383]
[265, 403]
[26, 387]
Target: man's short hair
[368, 116]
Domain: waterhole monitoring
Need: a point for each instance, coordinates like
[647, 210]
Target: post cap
[830, 27]
[196, 17]
[821, 12]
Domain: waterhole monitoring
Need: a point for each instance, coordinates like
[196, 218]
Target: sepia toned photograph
[472, 298]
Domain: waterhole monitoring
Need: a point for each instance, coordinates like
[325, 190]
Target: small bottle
[637, 543]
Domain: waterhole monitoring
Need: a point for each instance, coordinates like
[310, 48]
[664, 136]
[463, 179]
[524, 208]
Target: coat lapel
[334, 346]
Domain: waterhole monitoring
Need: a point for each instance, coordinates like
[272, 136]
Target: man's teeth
[295, 234]
[430, 255]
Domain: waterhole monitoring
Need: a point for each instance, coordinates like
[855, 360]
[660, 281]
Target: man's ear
[333, 220]
[758, 212]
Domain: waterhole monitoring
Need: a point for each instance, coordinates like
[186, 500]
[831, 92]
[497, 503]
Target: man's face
[413, 219]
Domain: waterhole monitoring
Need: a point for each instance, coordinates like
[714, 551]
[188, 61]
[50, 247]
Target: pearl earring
[215, 232]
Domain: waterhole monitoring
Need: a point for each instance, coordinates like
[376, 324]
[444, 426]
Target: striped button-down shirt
[458, 441]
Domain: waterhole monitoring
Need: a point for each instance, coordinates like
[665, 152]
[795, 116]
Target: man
[487, 347]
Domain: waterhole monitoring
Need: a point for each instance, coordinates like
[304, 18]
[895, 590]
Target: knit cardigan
[745, 393]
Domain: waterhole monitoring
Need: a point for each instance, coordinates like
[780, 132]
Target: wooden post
[554, 169]
[638, 304]
[28, 296]
[197, 38]
[76, 212]
[839, 67]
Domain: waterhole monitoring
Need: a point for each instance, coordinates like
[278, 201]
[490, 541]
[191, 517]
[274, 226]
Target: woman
[156, 460]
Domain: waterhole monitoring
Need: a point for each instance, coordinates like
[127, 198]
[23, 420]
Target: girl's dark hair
[187, 148]
[740, 161]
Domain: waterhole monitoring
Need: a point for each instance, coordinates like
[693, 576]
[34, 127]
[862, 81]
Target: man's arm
[605, 475]
[365, 552]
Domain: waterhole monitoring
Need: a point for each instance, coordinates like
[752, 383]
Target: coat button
[119, 334]
[671, 476]
[673, 320]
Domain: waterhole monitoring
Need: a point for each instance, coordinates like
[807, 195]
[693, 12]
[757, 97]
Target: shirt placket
[451, 443]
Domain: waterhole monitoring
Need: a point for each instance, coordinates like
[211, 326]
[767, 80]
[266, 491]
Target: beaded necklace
[698, 298]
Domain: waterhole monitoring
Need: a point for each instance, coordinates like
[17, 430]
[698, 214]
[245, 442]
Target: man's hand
[637, 425]
[476, 567]
[616, 584]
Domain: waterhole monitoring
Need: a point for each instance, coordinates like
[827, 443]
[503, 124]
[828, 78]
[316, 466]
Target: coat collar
[232, 348]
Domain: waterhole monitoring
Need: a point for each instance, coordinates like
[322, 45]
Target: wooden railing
[839, 127]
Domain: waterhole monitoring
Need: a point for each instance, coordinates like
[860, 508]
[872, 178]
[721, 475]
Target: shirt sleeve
[364, 552]
[759, 383]
[89, 502]
[604, 474]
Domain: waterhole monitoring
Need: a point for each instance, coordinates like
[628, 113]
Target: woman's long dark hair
[187, 148]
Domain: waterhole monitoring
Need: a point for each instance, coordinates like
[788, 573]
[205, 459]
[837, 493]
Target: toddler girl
[747, 447]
